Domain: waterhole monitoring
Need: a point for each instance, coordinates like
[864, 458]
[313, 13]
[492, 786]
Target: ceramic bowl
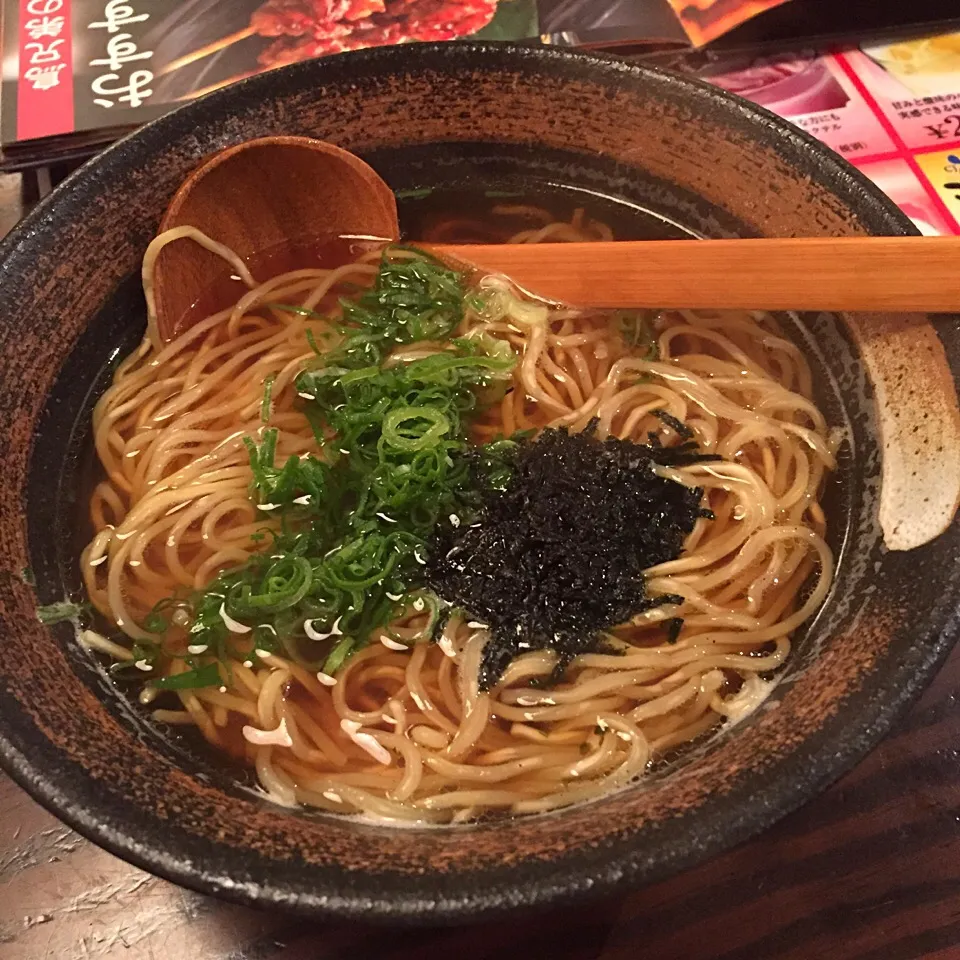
[653, 150]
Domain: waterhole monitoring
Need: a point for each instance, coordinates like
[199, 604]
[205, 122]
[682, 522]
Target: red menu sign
[45, 74]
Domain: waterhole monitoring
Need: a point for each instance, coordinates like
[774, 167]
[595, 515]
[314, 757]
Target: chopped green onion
[637, 331]
[338, 656]
[265, 403]
[154, 622]
[205, 676]
[312, 341]
[401, 429]
[349, 534]
[60, 611]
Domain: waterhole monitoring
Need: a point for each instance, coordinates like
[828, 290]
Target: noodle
[404, 734]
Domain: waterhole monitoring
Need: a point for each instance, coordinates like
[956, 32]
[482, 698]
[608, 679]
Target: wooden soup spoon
[262, 193]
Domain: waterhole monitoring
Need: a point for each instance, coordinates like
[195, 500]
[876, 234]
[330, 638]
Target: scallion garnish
[354, 519]
[636, 328]
[206, 676]
[265, 402]
[60, 611]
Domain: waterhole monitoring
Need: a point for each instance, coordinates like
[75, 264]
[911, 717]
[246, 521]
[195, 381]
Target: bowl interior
[428, 179]
[655, 155]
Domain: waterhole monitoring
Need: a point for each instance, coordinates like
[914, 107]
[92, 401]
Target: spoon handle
[843, 273]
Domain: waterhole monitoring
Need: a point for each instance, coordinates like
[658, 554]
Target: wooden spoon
[259, 195]
[913, 274]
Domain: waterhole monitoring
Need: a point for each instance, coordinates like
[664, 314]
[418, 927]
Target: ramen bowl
[644, 147]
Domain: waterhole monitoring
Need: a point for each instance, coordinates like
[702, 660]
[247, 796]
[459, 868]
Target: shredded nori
[674, 626]
[679, 427]
[557, 555]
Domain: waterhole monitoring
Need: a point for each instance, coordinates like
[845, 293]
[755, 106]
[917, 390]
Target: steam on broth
[415, 547]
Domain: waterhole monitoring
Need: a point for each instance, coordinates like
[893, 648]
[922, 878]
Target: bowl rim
[58, 790]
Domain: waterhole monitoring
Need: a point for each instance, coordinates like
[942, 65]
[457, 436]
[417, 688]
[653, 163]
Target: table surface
[869, 870]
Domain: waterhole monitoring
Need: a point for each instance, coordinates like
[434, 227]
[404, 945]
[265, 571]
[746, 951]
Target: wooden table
[870, 870]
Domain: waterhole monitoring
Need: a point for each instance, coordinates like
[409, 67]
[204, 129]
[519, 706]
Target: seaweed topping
[678, 426]
[558, 554]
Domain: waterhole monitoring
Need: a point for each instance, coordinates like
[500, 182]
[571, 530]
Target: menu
[891, 110]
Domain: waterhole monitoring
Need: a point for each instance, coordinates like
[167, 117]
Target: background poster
[705, 20]
[892, 110]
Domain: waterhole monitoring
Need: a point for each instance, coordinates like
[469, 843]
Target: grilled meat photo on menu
[226, 42]
[311, 28]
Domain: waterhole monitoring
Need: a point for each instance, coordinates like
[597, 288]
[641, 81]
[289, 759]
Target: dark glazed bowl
[465, 115]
